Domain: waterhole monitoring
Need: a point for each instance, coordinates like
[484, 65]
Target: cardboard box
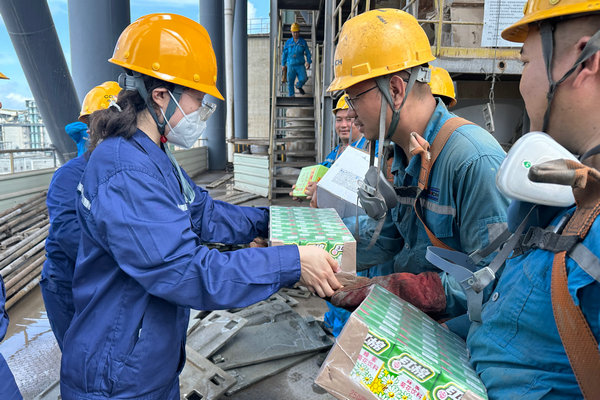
[389, 349]
[338, 188]
[313, 226]
[313, 173]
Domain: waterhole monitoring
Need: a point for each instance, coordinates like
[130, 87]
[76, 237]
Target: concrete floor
[34, 357]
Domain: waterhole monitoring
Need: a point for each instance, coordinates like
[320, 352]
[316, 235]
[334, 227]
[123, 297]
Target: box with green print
[389, 349]
[313, 226]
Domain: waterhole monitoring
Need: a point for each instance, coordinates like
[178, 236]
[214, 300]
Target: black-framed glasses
[352, 101]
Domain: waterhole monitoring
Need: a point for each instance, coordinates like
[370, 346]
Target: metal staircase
[294, 128]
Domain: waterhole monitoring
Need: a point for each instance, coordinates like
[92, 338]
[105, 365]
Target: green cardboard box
[313, 173]
[313, 226]
[389, 349]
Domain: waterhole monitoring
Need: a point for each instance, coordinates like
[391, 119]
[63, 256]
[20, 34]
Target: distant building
[23, 129]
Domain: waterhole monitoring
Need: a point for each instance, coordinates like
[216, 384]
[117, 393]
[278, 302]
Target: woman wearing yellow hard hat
[442, 86]
[548, 297]
[141, 264]
[293, 60]
[99, 98]
[63, 236]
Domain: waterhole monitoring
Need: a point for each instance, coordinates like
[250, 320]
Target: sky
[13, 92]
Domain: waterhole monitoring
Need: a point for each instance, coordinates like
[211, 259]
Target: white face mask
[532, 149]
[191, 126]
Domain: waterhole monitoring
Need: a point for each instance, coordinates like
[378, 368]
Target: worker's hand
[259, 242]
[284, 74]
[318, 269]
[313, 198]
[311, 190]
[307, 65]
[425, 290]
[292, 194]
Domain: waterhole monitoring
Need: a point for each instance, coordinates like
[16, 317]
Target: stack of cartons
[391, 350]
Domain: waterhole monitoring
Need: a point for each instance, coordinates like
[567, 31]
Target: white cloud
[17, 97]
[251, 10]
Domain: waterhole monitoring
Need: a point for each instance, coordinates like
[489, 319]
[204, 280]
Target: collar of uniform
[155, 152]
[438, 118]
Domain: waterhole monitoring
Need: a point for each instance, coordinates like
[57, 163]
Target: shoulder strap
[575, 333]
[427, 161]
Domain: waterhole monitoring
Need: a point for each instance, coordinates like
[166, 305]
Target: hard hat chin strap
[134, 81]
[547, 34]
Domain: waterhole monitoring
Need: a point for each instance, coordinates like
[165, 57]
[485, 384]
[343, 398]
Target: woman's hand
[318, 269]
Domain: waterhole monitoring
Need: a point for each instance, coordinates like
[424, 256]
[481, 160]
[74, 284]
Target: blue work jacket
[336, 153]
[141, 266]
[462, 207]
[8, 386]
[294, 52]
[63, 235]
[516, 348]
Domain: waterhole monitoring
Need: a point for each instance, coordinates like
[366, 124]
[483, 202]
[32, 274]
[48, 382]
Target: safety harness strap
[428, 158]
[575, 333]
[464, 270]
[586, 260]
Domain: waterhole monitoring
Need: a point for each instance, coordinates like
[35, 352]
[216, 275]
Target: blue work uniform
[78, 132]
[8, 387]
[141, 266]
[336, 153]
[61, 246]
[462, 206]
[293, 57]
[516, 349]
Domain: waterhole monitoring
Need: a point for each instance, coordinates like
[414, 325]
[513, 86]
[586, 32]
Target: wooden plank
[219, 181]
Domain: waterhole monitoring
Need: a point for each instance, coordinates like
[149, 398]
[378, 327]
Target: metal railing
[259, 26]
[11, 156]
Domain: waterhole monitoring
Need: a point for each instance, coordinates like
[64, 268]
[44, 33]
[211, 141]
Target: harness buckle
[481, 279]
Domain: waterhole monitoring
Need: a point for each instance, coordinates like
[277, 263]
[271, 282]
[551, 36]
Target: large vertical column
[94, 27]
[32, 33]
[211, 17]
[229, 96]
[240, 65]
[328, 51]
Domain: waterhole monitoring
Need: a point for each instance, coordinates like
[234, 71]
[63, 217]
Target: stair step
[285, 176]
[295, 139]
[299, 164]
[296, 129]
[296, 118]
[306, 153]
[294, 101]
[281, 190]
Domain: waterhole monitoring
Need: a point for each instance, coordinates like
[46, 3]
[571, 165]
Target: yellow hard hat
[539, 10]
[99, 98]
[341, 104]
[172, 48]
[377, 43]
[2, 76]
[295, 27]
[442, 85]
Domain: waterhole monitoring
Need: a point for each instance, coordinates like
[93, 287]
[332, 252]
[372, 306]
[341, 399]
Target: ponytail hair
[121, 119]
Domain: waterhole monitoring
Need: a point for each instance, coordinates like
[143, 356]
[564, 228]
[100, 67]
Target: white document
[338, 187]
[498, 15]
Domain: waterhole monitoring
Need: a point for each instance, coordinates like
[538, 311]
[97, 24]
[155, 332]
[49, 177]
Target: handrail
[274, 84]
[27, 150]
[317, 88]
[12, 152]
